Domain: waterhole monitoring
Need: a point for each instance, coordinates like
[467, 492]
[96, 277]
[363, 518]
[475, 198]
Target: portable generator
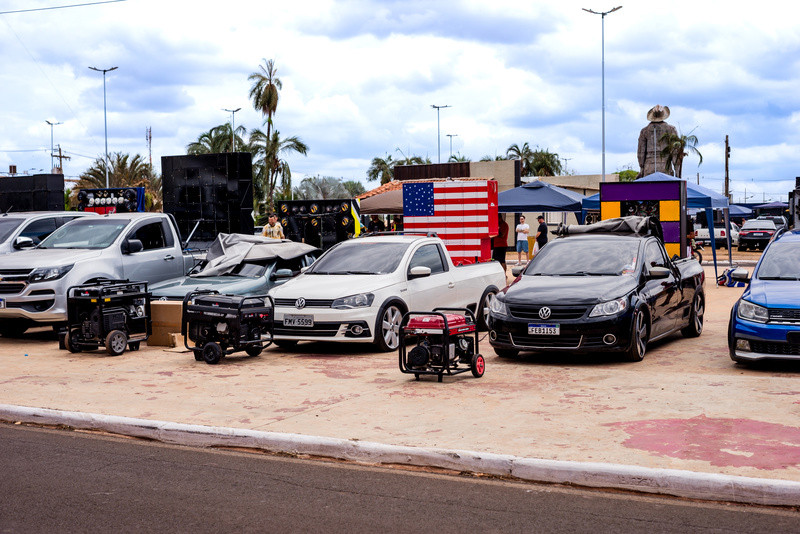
[446, 343]
[217, 325]
[112, 313]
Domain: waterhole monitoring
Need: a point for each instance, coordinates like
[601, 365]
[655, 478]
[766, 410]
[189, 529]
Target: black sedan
[756, 233]
[598, 293]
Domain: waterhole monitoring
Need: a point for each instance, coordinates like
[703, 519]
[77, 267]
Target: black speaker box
[40, 192]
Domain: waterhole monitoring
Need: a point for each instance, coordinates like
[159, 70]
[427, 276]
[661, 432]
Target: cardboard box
[166, 315]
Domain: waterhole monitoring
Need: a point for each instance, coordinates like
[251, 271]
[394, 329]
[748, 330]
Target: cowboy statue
[652, 142]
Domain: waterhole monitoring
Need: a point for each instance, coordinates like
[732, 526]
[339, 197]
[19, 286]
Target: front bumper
[751, 341]
[42, 302]
[329, 324]
[584, 335]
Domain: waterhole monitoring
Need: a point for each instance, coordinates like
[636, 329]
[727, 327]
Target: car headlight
[45, 274]
[362, 300]
[752, 312]
[498, 307]
[612, 307]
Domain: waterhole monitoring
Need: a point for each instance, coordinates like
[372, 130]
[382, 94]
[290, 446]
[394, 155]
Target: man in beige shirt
[274, 228]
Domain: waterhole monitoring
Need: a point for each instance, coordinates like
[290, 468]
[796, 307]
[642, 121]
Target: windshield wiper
[359, 272]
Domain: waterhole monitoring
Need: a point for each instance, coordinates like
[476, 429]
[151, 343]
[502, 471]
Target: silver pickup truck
[134, 246]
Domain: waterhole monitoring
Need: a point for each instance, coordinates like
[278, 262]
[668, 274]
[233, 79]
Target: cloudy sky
[359, 78]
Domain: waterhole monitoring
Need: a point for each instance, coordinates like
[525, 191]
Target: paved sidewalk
[687, 406]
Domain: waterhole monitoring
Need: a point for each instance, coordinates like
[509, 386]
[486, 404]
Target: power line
[60, 7]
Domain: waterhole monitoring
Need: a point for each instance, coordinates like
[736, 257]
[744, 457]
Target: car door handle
[451, 285]
[169, 257]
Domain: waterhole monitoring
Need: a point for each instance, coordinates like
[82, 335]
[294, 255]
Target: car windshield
[585, 257]
[7, 227]
[360, 257]
[781, 262]
[249, 270]
[758, 225]
[87, 232]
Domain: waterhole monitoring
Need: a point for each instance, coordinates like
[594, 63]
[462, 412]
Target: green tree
[264, 91]
[456, 158]
[381, 169]
[499, 157]
[545, 163]
[218, 140]
[627, 175]
[675, 149]
[269, 165]
[523, 153]
[354, 188]
[123, 171]
[316, 187]
[411, 159]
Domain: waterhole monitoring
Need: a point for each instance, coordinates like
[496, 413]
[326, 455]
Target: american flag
[462, 213]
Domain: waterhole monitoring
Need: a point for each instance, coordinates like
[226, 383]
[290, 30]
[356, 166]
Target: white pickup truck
[135, 246]
[720, 235]
[359, 290]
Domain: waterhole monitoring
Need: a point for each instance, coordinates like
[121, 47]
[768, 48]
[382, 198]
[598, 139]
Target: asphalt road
[63, 481]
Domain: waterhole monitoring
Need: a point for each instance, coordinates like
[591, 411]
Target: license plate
[298, 320]
[2, 303]
[539, 329]
[759, 234]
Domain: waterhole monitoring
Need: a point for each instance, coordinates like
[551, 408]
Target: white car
[359, 290]
[22, 230]
[720, 235]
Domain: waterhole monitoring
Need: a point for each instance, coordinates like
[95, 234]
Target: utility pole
[451, 136]
[727, 179]
[438, 135]
[60, 158]
[148, 135]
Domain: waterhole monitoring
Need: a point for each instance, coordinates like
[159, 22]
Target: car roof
[394, 238]
[33, 214]
[606, 237]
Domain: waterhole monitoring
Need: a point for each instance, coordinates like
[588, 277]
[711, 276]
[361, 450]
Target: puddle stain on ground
[719, 441]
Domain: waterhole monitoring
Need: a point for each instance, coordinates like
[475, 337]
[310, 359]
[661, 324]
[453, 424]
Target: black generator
[112, 313]
[217, 325]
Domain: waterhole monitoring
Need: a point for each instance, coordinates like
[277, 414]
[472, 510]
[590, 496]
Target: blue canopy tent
[539, 196]
[697, 196]
[740, 211]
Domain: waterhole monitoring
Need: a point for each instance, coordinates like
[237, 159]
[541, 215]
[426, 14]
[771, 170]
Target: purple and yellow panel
[665, 201]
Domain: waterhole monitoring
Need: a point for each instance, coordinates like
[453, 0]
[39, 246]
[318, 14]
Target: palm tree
[499, 157]
[264, 91]
[353, 188]
[675, 147]
[315, 187]
[269, 165]
[124, 171]
[545, 163]
[523, 153]
[217, 140]
[381, 169]
[457, 158]
[411, 159]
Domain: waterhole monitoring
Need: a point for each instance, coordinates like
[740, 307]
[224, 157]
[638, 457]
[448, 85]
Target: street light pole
[451, 136]
[233, 126]
[438, 135]
[51, 141]
[105, 115]
[603, 71]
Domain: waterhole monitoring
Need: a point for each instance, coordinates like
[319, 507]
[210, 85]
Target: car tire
[506, 353]
[285, 343]
[116, 342]
[477, 365]
[695, 326]
[387, 326]
[639, 337]
[212, 353]
[482, 311]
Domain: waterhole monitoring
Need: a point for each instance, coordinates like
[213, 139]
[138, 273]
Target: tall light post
[233, 126]
[438, 135]
[603, 71]
[451, 136]
[105, 116]
[51, 141]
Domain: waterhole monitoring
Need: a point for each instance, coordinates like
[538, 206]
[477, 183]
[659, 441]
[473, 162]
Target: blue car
[765, 321]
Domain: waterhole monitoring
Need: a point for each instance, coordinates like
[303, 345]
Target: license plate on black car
[544, 329]
[298, 320]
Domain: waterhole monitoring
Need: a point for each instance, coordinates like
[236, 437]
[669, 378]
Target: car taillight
[743, 232]
[770, 232]
[722, 233]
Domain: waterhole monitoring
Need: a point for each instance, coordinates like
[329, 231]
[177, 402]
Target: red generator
[446, 343]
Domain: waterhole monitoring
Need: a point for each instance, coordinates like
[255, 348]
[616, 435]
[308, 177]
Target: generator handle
[465, 311]
[272, 307]
[186, 299]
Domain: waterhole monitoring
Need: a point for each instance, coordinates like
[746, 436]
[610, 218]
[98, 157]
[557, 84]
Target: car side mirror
[740, 274]
[657, 273]
[419, 271]
[281, 274]
[131, 246]
[23, 242]
[516, 271]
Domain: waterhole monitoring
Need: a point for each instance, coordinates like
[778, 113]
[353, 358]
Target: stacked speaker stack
[112, 200]
[40, 192]
[321, 223]
[211, 191]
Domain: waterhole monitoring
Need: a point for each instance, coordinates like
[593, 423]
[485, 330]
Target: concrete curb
[688, 484]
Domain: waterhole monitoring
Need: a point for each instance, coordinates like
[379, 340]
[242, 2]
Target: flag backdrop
[463, 213]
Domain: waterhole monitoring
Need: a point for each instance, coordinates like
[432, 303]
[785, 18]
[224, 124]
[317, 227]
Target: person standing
[541, 234]
[522, 230]
[376, 224]
[273, 229]
[500, 241]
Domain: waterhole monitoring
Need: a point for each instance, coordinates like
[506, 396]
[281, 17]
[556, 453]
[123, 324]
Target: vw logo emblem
[300, 303]
[544, 312]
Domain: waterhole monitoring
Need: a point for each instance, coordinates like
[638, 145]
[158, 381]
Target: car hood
[50, 257]
[774, 293]
[329, 286]
[180, 287]
[568, 289]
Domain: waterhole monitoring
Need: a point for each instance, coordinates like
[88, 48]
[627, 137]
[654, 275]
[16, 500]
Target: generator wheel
[212, 353]
[198, 355]
[253, 350]
[71, 343]
[134, 345]
[116, 341]
[477, 365]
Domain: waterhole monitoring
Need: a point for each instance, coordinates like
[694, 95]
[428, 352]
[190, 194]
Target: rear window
[759, 225]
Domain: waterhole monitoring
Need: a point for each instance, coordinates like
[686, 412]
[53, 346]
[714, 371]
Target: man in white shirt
[522, 239]
[274, 228]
